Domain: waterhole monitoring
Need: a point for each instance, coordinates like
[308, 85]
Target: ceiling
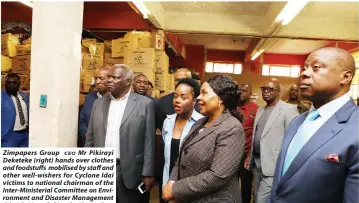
[232, 25]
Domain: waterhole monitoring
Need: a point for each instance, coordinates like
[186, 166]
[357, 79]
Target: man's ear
[346, 77]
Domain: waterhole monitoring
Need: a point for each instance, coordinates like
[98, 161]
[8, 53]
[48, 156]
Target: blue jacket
[311, 178]
[85, 113]
[8, 113]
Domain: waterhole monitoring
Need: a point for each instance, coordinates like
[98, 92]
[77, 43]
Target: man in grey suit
[125, 121]
[270, 125]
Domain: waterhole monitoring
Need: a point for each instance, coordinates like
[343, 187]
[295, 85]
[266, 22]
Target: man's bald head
[271, 91]
[327, 75]
[246, 93]
[182, 73]
[294, 92]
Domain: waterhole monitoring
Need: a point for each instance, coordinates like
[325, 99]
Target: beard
[11, 91]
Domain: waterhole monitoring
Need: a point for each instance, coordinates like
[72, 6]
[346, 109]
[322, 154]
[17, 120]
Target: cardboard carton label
[97, 49]
[141, 57]
[21, 64]
[91, 62]
[87, 42]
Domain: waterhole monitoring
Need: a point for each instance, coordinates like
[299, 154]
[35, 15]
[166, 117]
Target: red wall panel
[195, 58]
[285, 59]
[225, 56]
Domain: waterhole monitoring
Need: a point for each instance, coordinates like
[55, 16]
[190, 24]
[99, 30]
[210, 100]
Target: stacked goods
[8, 44]
[162, 81]
[92, 59]
[172, 81]
[142, 60]
[16, 58]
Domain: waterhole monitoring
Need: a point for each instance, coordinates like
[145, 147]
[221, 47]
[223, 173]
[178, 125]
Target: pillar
[55, 72]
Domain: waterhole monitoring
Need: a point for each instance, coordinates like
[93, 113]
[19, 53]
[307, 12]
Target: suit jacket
[207, 167]
[137, 140]
[8, 114]
[273, 134]
[311, 178]
[85, 113]
[166, 107]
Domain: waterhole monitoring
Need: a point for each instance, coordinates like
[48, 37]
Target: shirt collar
[99, 95]
[195, 116]
[327, 110]
[121, 99]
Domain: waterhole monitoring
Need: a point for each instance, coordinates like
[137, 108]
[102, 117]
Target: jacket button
[183, 167]
[277, 198]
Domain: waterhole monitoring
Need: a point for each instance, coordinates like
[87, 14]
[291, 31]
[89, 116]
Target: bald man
[270, 125]
[318, 161]
[294, 99]
[100, 77]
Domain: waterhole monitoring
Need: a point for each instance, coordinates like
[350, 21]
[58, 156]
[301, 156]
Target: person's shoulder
[167, 97]
[141, 98]
[286, 105]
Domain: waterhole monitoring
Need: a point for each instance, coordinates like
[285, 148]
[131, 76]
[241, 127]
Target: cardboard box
[91, 62]
[6, 64]
[108, 46]
[158, 40]
[21, 64]
[108, 55]
[146, 71]
[3, 82]
[97, 49]
[171, 81]
[84, 49]
[22, 79]
[8, 49]
[143, 57]
[141, 39]
[26, 83]
[27, 41]
[119, 46]
[6, 37]
[162, 80]
[162, 61]
[86, 42]
[82, 98]
[23, 50]
[112, 61]
[87, 77]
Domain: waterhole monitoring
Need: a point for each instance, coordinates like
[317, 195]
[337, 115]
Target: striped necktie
[299, 140]
[21, 112]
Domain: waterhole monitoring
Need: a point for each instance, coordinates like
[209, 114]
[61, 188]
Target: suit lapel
[131, 103]
[327, 131]
[272, 118]
[106, 107]
[209, 130]
[193, 129]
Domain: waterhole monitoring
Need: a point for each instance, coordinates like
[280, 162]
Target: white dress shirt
[99, 95]
[18, 126]
[326, 111]
[115, 113]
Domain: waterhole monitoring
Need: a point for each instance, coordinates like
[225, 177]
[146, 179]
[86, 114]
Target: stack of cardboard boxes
[15, 58]
[144, 53]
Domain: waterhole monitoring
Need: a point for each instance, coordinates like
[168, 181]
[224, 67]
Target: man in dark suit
[140, 86]
[166, 102]
[85, 113]
[125, 120]
[318, 162]
[14, 114]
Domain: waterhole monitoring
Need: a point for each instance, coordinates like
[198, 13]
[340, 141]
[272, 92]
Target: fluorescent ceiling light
[27, 3]
[257, 54]
[290, 10]
[143, 8]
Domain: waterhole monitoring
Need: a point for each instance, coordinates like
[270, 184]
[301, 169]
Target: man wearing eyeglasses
[14, 114]
[270, 125]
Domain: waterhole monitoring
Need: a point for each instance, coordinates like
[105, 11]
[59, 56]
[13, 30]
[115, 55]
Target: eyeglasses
[268, 89]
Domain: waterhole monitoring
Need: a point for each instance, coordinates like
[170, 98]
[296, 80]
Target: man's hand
[167, 191]
[148, 181]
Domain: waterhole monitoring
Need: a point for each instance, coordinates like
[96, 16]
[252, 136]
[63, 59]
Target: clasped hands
[167, 194]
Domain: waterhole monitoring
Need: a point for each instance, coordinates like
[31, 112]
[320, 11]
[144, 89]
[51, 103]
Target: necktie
[299, 140]
[21, 113]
